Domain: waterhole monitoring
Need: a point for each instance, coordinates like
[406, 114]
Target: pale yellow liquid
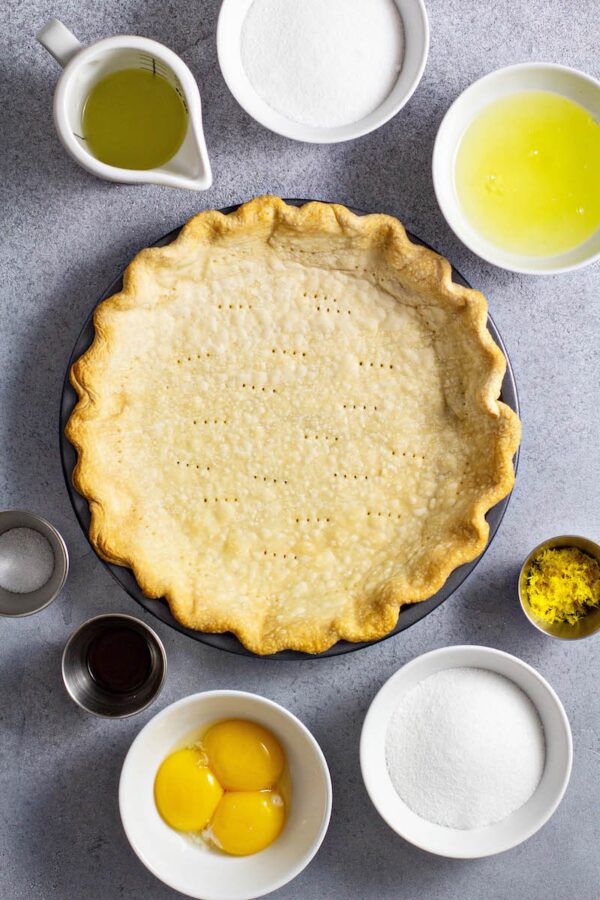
[134, 119]
[527, 173]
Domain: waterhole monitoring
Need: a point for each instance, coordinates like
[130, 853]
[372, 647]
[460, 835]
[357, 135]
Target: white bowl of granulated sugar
[322, 71]
[466, 751]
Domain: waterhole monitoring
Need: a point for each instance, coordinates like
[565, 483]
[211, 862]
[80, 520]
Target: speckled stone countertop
[64, 237]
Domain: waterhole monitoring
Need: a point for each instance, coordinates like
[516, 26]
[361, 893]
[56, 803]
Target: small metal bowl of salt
[34, 563]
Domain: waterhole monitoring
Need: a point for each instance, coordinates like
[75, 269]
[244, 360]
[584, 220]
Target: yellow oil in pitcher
[527, 173]
[134, 119]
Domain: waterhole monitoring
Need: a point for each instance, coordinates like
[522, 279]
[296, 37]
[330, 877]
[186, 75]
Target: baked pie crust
[288, 424]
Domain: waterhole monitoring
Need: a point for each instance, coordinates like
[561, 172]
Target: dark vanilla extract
[119, 660]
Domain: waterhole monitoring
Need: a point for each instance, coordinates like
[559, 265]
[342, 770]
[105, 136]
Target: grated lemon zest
[563, 585]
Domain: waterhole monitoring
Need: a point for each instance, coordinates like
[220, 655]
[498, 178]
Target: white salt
[26, 560]
[465, 748]
[323, 62]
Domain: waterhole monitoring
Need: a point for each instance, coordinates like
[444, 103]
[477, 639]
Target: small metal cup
[587, 625]
[85, 690]
[12, 604]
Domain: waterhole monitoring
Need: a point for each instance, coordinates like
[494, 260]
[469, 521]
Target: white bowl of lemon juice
[195, 823]
[516, 168]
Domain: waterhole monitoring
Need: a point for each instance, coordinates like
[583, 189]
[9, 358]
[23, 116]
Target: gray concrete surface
[64, 236]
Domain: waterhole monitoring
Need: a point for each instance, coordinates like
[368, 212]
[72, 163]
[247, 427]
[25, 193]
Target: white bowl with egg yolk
[192, 867]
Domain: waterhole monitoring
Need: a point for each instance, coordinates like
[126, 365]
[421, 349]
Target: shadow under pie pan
[227, 641]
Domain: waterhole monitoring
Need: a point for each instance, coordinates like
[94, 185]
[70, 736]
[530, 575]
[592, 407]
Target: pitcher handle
[59, 41]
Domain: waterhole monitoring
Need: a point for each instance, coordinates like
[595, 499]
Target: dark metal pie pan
[159, 608]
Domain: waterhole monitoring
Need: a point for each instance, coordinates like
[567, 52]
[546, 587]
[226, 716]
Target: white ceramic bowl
[503, 835]
[577, 86]
[416, 47]
[198, 871]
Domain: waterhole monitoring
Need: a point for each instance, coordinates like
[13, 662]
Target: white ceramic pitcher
[84, 66]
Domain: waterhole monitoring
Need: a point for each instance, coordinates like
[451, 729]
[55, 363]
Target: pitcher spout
[190, 167]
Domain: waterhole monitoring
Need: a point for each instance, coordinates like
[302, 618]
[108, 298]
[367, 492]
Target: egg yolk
[243, 755]
[247, 821]
[185, 790]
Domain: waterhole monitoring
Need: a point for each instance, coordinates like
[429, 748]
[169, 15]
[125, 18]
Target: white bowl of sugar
[322, 71]
[466, 751]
